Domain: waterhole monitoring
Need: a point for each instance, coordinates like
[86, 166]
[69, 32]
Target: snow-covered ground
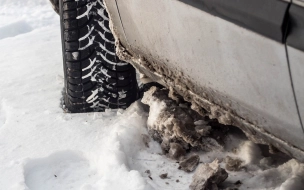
[43, 148]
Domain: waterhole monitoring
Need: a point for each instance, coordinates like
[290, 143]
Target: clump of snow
[250, 153]
[75, 56]
[294, 183]
[233, 164]
[289, 176]
[189, 164]
[176, 151]
[208, 176]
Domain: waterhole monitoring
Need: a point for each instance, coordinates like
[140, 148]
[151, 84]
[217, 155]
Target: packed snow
[44, 148]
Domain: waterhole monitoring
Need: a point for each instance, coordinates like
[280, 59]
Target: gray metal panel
[264, 17]
[242, 71]
[296, 60]
[295, 37]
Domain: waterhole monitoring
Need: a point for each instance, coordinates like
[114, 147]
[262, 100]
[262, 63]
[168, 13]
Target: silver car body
[226, 71]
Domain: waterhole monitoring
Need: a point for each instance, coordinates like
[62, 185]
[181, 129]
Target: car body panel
[296, 60]
[296, 29]
[264, 17]
[295, 49]
[203, 52]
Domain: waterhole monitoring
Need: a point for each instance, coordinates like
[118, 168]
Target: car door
[229, 52]
[295, 49]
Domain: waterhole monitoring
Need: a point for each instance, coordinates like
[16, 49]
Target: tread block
[85, 63]
[85, 53]
[116, 67]
[119, 100]
[111, 57]
[82, 22]
[89, 86]
[74, 87]
[86, 94]
[73, 65]
[109, 46]
[86, 80]
[109, 36]
[81, 87]
[74, 80]
[75, 94]
[83, 31]
[81, 10]
[69, 14]
[74, 99]
[79, 94]
[72, 56]
[71, 46]
[107, 104]
[106, 13]
[120, 75]
[74, 73]
[71, 35]
[70, 24]
[106, 24]
[73, 106]
[69, 6]
[85, 72]
[115, 84]
[81, 3]
[84, 42]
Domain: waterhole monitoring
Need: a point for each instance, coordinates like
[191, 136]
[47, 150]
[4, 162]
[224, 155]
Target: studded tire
[95, 78]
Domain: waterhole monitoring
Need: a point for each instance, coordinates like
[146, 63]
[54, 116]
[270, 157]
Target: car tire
[95, 78]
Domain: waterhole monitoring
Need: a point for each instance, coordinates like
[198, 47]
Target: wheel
[95, 78]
